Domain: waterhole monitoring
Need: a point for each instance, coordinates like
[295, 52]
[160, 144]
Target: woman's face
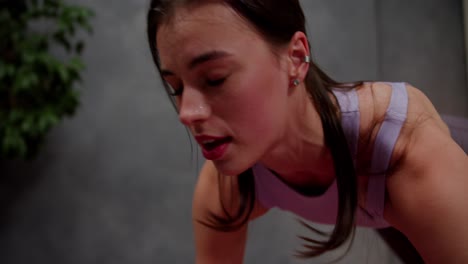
[232, 91]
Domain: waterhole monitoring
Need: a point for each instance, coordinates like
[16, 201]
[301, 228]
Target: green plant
[37, 87]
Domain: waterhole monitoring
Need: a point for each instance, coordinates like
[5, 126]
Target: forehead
[193, 30]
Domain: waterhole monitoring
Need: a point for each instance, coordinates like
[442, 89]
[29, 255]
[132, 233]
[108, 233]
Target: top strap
[350, 117]
[383, 148]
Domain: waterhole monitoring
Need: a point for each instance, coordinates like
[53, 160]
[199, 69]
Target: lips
[213, 148]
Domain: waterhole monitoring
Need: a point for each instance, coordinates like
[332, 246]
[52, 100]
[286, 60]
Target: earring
[296, 82]
[307, 59]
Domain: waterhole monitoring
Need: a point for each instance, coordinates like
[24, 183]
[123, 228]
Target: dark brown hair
[277, 21]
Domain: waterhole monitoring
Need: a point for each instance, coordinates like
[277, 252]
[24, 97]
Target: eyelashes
[215, 82]
[211, 83]
[174, 92]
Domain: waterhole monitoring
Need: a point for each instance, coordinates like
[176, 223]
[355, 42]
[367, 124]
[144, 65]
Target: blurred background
[113, 183]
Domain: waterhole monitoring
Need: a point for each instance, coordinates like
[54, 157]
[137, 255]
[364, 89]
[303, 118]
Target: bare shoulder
[427, 198]
[210, 191]
[215, 246]
[374, 99]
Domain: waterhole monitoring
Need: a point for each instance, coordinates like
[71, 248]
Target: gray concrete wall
[114, 183]
[465, 14]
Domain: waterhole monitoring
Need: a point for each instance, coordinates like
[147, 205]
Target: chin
[231, 167]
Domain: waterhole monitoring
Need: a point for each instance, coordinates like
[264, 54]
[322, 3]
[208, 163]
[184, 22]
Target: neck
[300, 156]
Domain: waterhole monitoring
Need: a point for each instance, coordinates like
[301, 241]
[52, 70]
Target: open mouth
[214, 143]
[213, 148]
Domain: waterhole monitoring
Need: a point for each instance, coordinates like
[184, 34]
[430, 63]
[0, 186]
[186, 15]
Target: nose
[193, 107]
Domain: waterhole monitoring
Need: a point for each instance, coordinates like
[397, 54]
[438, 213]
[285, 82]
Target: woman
[278, 132]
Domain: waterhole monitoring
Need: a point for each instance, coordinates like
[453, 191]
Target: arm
[428, 190]
[212, 246]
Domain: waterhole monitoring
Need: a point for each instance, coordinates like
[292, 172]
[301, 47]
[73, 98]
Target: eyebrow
[208, 56]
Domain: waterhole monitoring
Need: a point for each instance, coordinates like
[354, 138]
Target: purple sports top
[272, 192]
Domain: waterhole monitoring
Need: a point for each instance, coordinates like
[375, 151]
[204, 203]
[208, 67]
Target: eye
[173, 91]
[215, 82]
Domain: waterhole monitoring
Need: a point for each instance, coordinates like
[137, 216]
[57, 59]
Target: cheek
[258, 106]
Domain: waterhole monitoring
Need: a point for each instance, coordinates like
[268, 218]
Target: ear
[297, 51]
